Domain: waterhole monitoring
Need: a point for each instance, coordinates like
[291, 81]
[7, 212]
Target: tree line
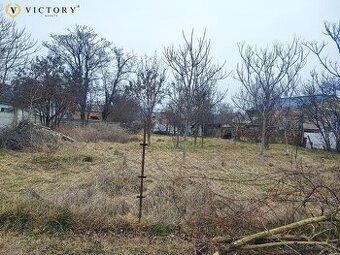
[83, 71]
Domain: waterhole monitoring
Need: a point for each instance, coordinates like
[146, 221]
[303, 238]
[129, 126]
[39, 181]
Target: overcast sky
[143, 26]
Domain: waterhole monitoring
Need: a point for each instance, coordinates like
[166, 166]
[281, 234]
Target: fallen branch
[53, 133]
[226, 245]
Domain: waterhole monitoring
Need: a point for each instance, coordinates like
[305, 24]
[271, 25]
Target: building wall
[10, 116]
[6, 119]
[7, 115]
[314, 140]
[92, 115]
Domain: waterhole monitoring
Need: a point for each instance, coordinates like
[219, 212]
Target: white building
[9, 115]
[314, 140]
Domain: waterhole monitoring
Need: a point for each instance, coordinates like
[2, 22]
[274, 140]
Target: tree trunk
[47, 121]
[235, 134]
[286, 141]
[105, 112]
[195, 135]
[327, 141]
[149, 129]
[202, 136]
[186, 132]
[84, 94]
[337, 143]
[263, 134]
[83, 113]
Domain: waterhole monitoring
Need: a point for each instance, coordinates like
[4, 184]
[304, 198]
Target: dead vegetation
[96, 134]
[27, 135]
[305, 207]
[219, 191]
[30, 136]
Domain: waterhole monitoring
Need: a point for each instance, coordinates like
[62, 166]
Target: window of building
[2, 109]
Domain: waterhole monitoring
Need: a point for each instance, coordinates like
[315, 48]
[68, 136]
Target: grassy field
[80, 198]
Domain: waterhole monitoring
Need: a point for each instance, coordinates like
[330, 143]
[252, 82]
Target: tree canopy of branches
[15, 48]
[266, 75]
[206, 100]
[42, 88]
[325, 115]
[195, 77]
[112, 79]
[124, 109]
[332, 30]
[84, 54]
[148, 88]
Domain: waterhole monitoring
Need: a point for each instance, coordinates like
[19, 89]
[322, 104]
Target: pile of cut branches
[29, 135]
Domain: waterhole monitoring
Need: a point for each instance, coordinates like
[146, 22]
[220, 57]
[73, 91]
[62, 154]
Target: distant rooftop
[298, 101]
[295, 102]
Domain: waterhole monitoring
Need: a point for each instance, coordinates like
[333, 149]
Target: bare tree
[266, 75]
[84, 54]
[332, 30]
[26, 95]
[41, 87]
[326, 114]
[124, 109]
[206, 100]
[323, 107]
[171, 113]
[149, 88]
[15, 48]
[112, 79]
[193, 70]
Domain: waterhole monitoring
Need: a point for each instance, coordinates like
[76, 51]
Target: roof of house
[298, 101]
[6, 94]
[295, 102]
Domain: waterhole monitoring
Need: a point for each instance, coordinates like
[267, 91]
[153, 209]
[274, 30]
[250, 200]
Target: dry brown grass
[99, 244]
[91, 188]
[96, 134]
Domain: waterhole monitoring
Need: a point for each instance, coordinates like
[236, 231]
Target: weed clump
[61, 222]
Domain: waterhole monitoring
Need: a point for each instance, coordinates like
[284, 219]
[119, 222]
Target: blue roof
[295, 102]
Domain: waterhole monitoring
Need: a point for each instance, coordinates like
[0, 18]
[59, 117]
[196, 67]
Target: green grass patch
[62, 222]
